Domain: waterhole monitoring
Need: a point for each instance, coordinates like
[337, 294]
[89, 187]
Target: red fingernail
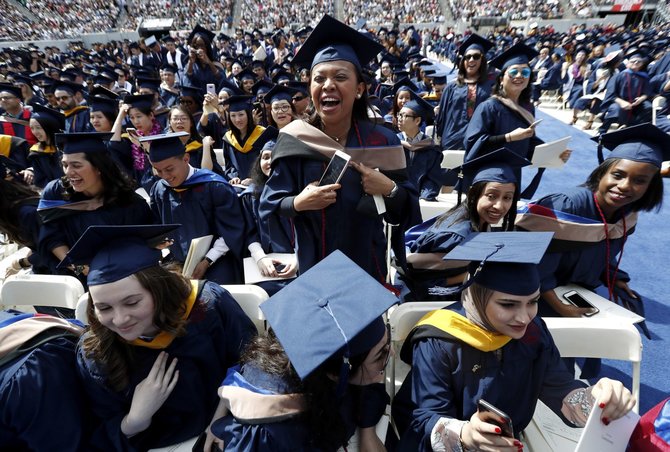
[498, 430]
[518, 443]
[602, 405]
[606, 421]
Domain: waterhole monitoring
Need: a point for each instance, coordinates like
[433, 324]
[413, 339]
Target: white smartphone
[335, 169]
[575, 299]
[536, 122]
[211, 89]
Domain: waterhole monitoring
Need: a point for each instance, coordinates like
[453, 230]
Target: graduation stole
[420, 145]
[200, 176]
[48, 149]
[5, 145]
[525, 114]
[193, 146]
[75, 110]
[571, 231]
[164, 339]
[54, 209]
[299, 139]
[248, 144]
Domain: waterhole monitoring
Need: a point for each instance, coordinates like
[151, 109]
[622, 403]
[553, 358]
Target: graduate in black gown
[158, 344]
[340, 216]
[204, 203]
[44, 159]
[317, 379]
[500, 352]
[240, 147]
[181, 120]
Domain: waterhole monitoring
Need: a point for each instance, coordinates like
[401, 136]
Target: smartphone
[132, 132]
[335, 169]
[492, 415]
[211, 89]
[536, 122]
[576, 299]
[279, 267]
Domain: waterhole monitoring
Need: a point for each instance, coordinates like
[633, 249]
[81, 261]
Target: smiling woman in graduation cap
[500, 352]
[158, 345]
[340, 216]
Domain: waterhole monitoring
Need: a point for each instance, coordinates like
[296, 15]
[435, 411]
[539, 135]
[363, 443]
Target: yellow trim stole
[463, 329]
[248, 145]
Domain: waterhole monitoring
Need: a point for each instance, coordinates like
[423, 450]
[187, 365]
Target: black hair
[483, 70]
[250, 125]
[524, 97]
[118, 187]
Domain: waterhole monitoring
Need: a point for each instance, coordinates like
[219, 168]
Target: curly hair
[169, 292]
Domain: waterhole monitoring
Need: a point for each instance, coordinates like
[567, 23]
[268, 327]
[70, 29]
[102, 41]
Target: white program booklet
[252, 274]
[547, 155]
[612, 438]
[196, 253]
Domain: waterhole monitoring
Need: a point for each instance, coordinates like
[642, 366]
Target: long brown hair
[16, 194]
[115, 356]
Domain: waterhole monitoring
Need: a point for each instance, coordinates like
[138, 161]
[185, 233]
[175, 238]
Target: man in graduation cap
[203, 202]
[70, 96]
[173, 55]
[15, 120]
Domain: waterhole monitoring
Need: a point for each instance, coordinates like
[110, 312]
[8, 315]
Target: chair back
[59, 291]
[249, 297]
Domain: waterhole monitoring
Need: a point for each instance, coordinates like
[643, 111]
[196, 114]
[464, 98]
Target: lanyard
[610, 281]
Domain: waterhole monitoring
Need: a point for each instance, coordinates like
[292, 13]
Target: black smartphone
[279, 267]
[576, 299]
[492, 415]
[335, 169]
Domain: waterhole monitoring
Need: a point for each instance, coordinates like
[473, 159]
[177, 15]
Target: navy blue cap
[475, 42]
[12, 89]
[641, 143]
[439, 78]
[70, 87]
[88, 142]
[419, 106]
[282, 76]
[202, 31]
[280, 92]
[246, 73]
[54, 118]
[115, 252]
[503, 261]
[148, 83]
[24, 79]
[101, 91]
[192, 91]
[405, 84]
[519, 53]
[501, 166]
[142, 101]
[166, 67]
[103, 104]
[331, 40]
[333, 310]
[261, 87]
[268, 138]
[299, 86]
[238, 103]
[165, 145]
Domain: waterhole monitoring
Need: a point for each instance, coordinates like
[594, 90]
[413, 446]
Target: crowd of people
[388, 12]
[511, 9]
[185, 13]
[281, 14]
[166, 354]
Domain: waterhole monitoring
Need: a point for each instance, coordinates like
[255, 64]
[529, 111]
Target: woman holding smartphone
[500, 352]
[240, 142]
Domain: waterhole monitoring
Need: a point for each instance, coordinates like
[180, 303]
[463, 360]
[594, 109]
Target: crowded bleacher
[333, 225]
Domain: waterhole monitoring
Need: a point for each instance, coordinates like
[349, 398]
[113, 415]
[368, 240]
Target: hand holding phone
[335, 169]
[491, 415]
[576, 299]
[536, 123]
[211, 89]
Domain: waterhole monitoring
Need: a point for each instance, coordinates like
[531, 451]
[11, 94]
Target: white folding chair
[80, 311]
[249, 297]
[402, 319]
[451, 158]
[41, 290]
[586, 338]
[657, 104]
[430, 209]
[220, 158]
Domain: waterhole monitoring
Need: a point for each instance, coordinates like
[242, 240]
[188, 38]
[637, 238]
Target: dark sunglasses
[473, 56]
[298, 98]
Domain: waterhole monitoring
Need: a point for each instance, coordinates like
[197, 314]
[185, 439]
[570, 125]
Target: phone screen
[492, 415]
[334, 171]
[578, 300]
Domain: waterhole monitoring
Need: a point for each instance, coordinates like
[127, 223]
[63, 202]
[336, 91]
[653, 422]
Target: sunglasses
[472, 56]
[298, 98]
[525, 72]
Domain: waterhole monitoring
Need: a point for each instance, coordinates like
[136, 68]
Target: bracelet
[24, 263]
[508, 138]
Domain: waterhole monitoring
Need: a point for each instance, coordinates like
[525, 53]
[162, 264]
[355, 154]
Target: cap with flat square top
[644, 143]
[419, 106]
[11, 89]
[501, 165]
[141, 101]
[238, 103]
[475, 42]
[503, 261]
[331, 40]
[280, 92]
[519, 53]
[165, 145]
[333, 310]
[115, 252]
[405, 84]
[201, 31]
[87, 142]
[54, 117]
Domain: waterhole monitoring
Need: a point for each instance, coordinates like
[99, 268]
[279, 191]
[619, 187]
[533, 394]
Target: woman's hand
[482, 436]
[28, 175]
[150, 394]
[313, 197]
[235, 181]
[626, 288]
[200, 269]
[210, 104]
[520, 133]
[266, 265]
[374, 182]
[210, 439]
[565, 155]
[614, 399]
[246, 181]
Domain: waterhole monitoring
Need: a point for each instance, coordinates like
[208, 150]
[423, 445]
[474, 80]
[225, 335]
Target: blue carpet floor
[643, 259]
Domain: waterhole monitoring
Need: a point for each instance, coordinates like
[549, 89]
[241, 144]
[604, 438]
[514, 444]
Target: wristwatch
[209, 261]
[394, 191]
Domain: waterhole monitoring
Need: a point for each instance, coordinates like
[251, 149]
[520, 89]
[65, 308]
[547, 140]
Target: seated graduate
[332, 385]
[491, 199]
[158, 345]
[500, 352]
[43, 407]
[44, 159]
[424, 158]
[203, 202]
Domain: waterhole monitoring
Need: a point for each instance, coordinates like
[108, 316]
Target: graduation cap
[644, 143]
[19, 78]
[87, 142]
[192, 91]
[405, 84]
[246, 74]
[439, 78]
[238, 103]
[475, 42]
[419, 106]
[503, 261]
[200, 31]
[54, 118]
[167, 38]
[517, 54]
[101, 91]
[320, 316]
[11, 89]
[165, 145]
[149, 83]
[268, 138]
[282, 76]
[141, 101]
[231, 88]
[280, 92]
[501, 165]
[299, 86]
[332, 40]
[151, 40]
[103, 104]
[115, 252]
[70, 87]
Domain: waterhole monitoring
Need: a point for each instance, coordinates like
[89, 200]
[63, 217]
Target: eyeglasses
[186, 101]
[281, 108]
[62, 97]
[179, 118]
[525, 72]
[472, 56]
[298, 98]
[405, 116]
